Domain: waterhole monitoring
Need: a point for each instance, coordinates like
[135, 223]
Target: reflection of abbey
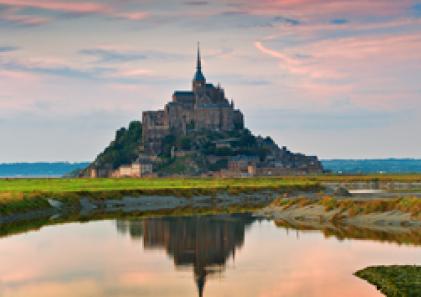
[203, 108]
[204, 243]
[198, 133]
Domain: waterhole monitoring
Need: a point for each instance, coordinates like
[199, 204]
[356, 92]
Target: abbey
[198, 133]
[205, 107]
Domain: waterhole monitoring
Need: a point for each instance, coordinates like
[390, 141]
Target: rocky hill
[202, 152]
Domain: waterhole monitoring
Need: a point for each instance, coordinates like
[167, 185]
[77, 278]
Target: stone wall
[214, 119]
[155, 128]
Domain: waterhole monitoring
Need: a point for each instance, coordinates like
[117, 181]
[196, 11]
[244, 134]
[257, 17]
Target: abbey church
[198, 133]
[205, 107]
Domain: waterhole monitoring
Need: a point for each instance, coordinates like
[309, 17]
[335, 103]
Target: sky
[332, 78]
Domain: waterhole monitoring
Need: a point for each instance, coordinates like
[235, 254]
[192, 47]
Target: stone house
[137, 169]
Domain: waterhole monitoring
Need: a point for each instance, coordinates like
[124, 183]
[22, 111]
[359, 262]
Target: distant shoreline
[39, 169]
[336, 166]
[30, 176]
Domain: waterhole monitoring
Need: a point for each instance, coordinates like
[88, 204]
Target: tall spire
[199, 62]
[199, 77]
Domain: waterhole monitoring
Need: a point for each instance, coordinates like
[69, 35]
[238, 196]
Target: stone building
[241, 163]
[205, 107]
[136, 169]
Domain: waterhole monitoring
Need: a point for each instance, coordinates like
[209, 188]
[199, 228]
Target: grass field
[364, 178]
[93, 185]
[108, 184]
[23, 194]
[28, 194]
[352, 208]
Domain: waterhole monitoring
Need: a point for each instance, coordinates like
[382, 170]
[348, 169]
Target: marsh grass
[394, 281]
[410, 236]
[328, 202]
[162, 184]
[411, 205]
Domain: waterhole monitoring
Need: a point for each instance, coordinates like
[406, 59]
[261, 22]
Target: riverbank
[88, 206]
[32, 199]
[22, 195]
[321, 212]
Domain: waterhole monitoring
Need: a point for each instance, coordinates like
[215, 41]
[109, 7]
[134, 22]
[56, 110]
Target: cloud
[61, 6]
[312, 9]
[115, 54]
[238, 79]
[371, 68]
[245, 19]
[339, 21]
[416, 9]
[62, 70]
[196, 3]
[111, 74]
[289, 21]
[348, 118]
[7, 49]
[14, 16]
[14, 13]
[131, 16]
[297, 66]
[223, 52]
[112, 56]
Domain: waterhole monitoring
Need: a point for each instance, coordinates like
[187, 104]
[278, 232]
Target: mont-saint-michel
[279, 157]
[200, 132]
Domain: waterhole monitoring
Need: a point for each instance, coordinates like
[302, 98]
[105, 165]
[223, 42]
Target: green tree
[124, 149]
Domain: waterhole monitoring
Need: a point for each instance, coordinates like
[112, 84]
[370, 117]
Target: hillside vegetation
[124, 149]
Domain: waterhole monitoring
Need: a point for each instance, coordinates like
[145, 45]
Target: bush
[328, 202]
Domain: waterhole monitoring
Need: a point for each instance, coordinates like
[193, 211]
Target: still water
[221, 255]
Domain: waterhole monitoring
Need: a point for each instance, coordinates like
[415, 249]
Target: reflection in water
[93, 260]
[395, 234]
[203, 242]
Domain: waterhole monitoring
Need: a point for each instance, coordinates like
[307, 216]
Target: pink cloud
[66, 6]
[132, 16]
[12, 15]
[70, 7]
[317, 8]
[369, 69]
[296, 66]
[132, 72]
[7, 74]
